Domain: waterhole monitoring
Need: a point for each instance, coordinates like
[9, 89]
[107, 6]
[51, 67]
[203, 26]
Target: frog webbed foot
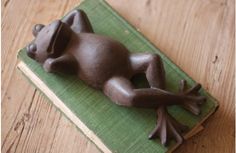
[167, 128]
[192, 105]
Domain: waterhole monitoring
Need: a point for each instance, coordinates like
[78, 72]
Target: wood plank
[197, 35]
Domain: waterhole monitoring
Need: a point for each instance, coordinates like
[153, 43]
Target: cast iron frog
[70, 46]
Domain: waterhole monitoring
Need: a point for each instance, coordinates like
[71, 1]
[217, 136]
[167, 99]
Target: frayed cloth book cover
[111, 127]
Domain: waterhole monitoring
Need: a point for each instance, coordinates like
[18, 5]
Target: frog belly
[97, 66]
[100, 58]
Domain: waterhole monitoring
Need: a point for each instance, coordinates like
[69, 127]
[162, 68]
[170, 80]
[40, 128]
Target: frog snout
[31, 49]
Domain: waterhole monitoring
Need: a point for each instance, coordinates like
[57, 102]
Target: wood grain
[197, 35]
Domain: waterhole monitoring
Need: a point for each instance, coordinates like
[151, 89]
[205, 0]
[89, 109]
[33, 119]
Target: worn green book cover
[111, 127]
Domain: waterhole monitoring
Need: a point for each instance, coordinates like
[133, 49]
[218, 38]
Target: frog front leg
[78, 21]
[63, 64]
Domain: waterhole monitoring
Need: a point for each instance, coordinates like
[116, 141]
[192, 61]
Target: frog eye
[37, 28]
[31, 49]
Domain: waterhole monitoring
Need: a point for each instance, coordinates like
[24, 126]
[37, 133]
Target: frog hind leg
[188, 105]
[121, 91]
[167, 127]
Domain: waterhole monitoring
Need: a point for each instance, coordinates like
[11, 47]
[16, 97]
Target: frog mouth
[55, 36]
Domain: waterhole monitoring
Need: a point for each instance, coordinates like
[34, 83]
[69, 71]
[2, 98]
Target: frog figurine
[70, 46]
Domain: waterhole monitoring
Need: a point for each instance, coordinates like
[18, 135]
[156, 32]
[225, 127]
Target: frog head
[50, 41]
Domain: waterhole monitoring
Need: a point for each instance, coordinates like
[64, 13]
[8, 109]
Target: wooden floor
[198, 35]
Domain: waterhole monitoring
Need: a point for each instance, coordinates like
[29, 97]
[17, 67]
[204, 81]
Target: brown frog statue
[70, 46]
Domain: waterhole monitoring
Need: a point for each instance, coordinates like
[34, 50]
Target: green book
[111, 127]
